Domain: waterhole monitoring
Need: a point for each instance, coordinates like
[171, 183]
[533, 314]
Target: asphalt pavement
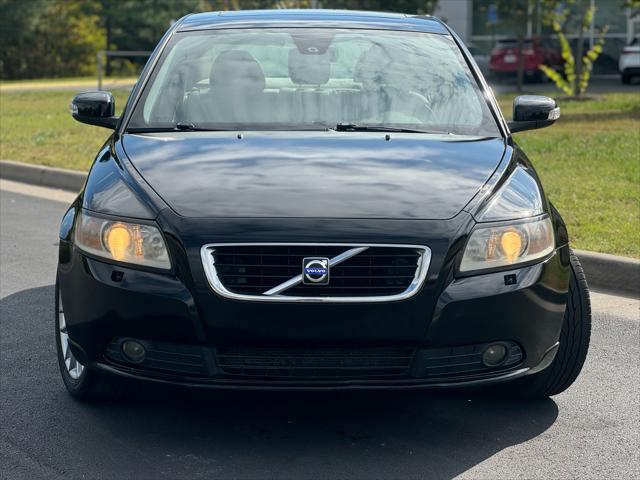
[590, 431]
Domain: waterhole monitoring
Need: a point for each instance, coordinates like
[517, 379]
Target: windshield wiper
[190, 127]
[178, 127]
[340, 127]
[354, 127]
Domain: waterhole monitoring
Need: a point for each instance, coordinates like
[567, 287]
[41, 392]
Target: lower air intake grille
[163, 357]
[329, 362]
[466, 360]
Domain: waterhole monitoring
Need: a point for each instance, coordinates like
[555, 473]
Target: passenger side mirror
[533, 111]
[95, 108]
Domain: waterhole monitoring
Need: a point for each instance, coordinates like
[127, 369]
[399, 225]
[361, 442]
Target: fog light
[133, 351]
[494, 355]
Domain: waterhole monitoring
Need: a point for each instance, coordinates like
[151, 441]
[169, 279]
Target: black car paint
[104, 299]
[335, 174]
[180, 307]
[95, 108]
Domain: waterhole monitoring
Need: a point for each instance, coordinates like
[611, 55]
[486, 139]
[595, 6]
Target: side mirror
[95, 108]
[533, 111]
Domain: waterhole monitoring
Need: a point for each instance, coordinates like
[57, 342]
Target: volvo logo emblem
[315, 271]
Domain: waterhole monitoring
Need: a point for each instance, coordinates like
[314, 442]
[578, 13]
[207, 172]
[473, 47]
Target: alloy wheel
[74, 367]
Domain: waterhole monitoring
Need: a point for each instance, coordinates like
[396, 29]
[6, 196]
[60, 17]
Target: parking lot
[590, 431]
[599, 84]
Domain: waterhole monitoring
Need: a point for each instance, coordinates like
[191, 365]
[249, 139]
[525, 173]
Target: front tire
[82, 382]
[574, 344]
[538, 77]
[625, 78]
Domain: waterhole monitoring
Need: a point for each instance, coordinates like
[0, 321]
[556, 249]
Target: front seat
[236, 86]
[385, 96]
[369, 71]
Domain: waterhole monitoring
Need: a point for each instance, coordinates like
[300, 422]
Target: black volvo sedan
[316, 200]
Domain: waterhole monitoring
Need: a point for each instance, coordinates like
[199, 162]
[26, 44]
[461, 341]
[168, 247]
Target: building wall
[458, 15]
[469, 18]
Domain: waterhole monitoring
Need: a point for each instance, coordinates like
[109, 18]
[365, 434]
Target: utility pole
[592, 28]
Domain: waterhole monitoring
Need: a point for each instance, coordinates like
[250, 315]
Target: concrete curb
[604, 272]
[42, 176]
[611, 273]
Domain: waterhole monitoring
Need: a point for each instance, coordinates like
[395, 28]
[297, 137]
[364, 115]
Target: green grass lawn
[36, 127]
[62, 81]
[589, 161]
[40, 81]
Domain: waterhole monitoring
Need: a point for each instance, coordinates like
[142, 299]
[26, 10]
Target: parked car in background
[505, 57]
[629, 63]
[482, 59]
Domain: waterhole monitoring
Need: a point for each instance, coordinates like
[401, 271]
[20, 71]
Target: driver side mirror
[533, 111]
[95, 108]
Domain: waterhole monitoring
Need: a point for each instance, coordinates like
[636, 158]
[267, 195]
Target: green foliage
[407, 6]
[576, 74]
[46, 38]
[139, 24]
[588, 160]
[557, 78]
[56, 38]
[588, 60]
[588, 163]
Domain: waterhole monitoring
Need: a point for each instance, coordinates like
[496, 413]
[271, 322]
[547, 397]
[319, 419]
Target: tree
[139, 24]
[47, 38]
[578, 66]
[518, 13]
[633, 6]
[16, 25]
[62, 37]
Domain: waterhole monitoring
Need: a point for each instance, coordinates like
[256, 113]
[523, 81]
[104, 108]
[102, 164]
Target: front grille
[252, 270]
[327, 362]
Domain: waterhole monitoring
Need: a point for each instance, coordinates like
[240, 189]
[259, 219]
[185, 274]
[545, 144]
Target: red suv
[536, 51]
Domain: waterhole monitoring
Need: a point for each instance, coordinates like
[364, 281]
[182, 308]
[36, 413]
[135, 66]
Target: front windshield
[313, 78]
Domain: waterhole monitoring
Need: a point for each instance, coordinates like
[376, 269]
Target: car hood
[314, 174]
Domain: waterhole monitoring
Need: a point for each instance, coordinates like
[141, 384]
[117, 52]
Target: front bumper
[231, 384]
[507, 69]
[629, 63]
[632, 71]
[450, 315]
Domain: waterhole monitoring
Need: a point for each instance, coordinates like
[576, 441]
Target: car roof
[311, 18]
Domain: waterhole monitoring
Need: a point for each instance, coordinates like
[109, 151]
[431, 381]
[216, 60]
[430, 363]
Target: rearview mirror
[533, 111]
[95, 108]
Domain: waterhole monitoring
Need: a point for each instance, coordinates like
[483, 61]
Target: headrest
[372, 65]
[236, 70]
[309, 69]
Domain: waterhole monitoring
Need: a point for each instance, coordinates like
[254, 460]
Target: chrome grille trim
[292, 282]
[218, 287]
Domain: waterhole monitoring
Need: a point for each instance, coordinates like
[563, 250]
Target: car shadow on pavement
[160, 431]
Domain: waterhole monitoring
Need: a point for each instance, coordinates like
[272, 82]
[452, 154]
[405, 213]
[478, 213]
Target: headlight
[519, 197]
[122, 241]
[504, 245]
[523, 240]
